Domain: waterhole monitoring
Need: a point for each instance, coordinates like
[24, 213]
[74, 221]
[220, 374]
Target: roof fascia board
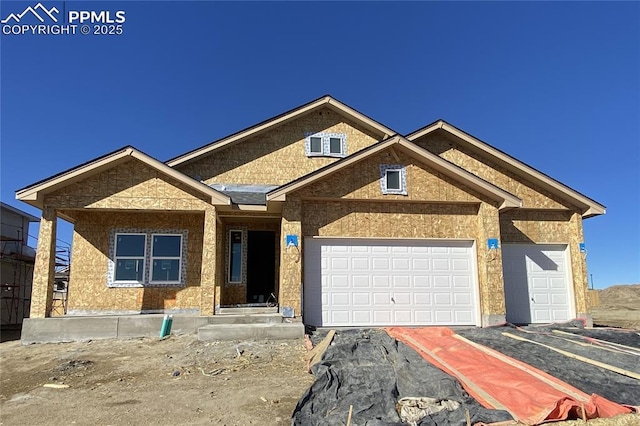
[463, 176]
[334, 104]
[493, 192]
[590, 207]
[35, 192]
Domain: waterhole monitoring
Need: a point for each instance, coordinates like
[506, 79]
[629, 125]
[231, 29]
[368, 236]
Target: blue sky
[556, 85]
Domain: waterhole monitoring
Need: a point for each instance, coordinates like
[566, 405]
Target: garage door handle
[533, 300]
[393, 300]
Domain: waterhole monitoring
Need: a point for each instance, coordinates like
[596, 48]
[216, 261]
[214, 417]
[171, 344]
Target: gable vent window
[393, 179]
[326, 145]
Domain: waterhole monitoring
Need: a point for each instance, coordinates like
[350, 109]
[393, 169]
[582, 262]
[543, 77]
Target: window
[335, 146]
[393, 179]
[165, 258]
[235, 256]
[326, 144]
[129, 258]
[315, 146]
[147, 257]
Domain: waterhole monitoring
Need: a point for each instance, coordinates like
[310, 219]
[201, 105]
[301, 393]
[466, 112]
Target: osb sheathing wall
[532, 196]
[290, 293]
[544, 225]
[130, 185]
[451, 211]
[277, 156]
[134, 186]
[44, 267]
[551, 227]
[88, 291]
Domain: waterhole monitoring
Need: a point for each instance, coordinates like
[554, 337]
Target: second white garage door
[370, 282]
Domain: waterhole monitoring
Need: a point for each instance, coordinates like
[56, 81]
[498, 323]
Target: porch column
[579, 270]
[208, 268]
[290, 294]
[45, 265]
[490, 275]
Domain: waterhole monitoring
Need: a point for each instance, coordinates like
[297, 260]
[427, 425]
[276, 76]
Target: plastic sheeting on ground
[372, 372]
[497, 381]
[588, 378]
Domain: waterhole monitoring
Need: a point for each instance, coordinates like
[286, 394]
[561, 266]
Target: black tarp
[371, 371]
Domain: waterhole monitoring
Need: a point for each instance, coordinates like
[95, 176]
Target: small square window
[335, 146]
[315, 145]
[393, 180]
[325, 144]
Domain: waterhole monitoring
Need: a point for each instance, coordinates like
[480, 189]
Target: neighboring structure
[334, 215]
[16, 265]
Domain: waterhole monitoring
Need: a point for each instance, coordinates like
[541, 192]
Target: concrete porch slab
[270, 331]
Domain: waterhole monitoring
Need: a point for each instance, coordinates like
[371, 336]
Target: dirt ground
[147, 381]
[181, 381]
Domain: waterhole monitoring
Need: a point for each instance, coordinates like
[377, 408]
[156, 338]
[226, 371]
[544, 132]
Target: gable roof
[34, 194]
[589, 207]
[325, 101]
[507, 200]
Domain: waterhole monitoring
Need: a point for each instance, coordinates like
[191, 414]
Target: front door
[261, 266]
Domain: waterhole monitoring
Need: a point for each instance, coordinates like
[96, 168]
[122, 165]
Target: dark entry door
[261, 265]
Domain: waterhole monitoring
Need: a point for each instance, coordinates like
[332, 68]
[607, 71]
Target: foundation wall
[277, 156]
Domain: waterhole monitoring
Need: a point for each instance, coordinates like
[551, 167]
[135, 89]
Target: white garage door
[367, 282]
[536, 280]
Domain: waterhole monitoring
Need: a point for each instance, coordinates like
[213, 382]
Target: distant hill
[619, 307]
[621, 296]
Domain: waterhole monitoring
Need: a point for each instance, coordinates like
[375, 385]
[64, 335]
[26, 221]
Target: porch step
[226, 318]
[259, 331]
[248, 310]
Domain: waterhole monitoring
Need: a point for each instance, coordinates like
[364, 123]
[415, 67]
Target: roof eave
[34, 194]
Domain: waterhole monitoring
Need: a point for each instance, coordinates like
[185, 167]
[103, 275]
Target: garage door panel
[462, 282]
[421, 299]
[440, 264]
[421, 281]
[442, 299]
[401, 281]
[360, 299]
[360, 263]
[442, 281]
[361, 281]
[380, 264]
[423, 317]
[537, 283]
[340, 281]
[390, 282]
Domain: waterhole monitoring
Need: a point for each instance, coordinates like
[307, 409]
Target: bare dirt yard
[181, 381]
[174, 381]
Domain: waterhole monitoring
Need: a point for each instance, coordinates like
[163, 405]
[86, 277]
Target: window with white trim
[166, 256]
[130, 252]
[326, 145]
[235, 256]
[393, 179]
[142, 257]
